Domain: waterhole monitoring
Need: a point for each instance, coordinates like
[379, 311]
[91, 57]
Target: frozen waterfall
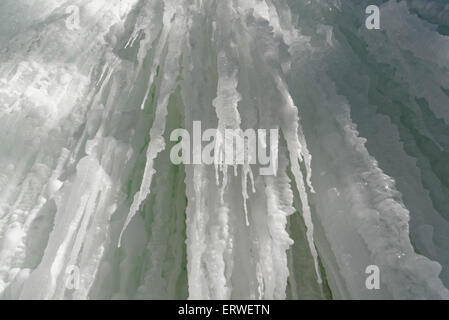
[92, 207]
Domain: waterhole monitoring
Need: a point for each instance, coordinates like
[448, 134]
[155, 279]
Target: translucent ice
[91, 207]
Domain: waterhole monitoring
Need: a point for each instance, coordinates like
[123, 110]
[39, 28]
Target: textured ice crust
[86, 182]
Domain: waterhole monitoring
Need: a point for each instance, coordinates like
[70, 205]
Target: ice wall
[86, 183]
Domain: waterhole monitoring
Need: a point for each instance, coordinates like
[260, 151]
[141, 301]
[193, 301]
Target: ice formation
[86, 182]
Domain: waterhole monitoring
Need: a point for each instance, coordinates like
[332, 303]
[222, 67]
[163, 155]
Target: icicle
[293, 135]
[168, 86]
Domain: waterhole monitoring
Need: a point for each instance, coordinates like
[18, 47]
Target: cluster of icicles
[87, 184]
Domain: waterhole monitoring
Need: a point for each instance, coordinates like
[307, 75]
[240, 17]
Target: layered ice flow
[91, 207]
